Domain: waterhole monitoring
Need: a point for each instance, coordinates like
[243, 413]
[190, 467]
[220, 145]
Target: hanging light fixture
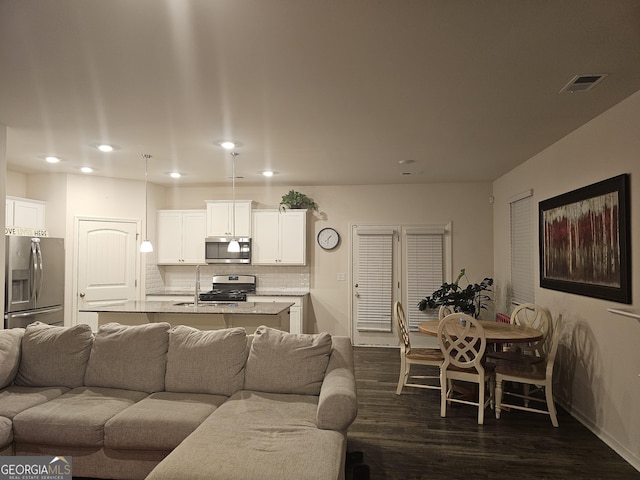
[234, 246]
[146, 246]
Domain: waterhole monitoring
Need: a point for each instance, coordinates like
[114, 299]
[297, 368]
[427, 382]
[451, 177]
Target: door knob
[82, 295]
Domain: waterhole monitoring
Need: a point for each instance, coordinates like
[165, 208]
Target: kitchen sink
[203, 303]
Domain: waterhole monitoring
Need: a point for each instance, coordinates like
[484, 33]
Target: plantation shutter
[522, 243]
[424, 266]
[375, 280]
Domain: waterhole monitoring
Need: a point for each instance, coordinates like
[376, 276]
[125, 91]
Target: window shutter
[424, 264]
[375, 280]
[522, 288]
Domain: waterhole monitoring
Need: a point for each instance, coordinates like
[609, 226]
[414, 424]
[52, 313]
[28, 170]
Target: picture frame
[585, 241]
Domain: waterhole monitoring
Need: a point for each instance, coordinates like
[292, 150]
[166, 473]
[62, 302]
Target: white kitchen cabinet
[279, 238]
[25, 213]
[297, 312]
[180, 237]
[220, 218]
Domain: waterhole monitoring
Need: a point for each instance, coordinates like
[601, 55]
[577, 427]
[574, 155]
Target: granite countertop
[240, 308]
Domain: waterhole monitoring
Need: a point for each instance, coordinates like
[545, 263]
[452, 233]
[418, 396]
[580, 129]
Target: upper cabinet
[220, 218]
[279, 238]
[25, 213]
[181, 235]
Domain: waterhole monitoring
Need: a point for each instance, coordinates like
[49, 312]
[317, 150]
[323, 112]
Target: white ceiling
[322, 91]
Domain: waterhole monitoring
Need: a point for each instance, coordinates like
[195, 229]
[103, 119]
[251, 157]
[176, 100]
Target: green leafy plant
[293, 199]
[470, 300]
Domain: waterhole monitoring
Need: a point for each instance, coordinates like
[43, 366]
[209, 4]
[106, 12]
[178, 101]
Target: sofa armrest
[338, 402]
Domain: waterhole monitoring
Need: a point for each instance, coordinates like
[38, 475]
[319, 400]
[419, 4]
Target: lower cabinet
[297, 312]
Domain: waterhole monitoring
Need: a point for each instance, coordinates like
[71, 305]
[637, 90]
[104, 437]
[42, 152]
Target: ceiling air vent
[583, 83]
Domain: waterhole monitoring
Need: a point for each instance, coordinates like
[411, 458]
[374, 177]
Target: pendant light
[146, 246]
[234, 246]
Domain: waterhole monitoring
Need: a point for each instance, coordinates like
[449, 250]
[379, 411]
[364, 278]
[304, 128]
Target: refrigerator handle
[33, 272]
[40, 271]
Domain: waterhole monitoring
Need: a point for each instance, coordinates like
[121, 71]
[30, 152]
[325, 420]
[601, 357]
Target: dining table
[495, 332]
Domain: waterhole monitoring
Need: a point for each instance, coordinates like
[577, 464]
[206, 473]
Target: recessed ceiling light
[406, 162]
[268, 173]
[86, 169]
[103, 147]
[228, 144]
[175, 175]
[52, 159]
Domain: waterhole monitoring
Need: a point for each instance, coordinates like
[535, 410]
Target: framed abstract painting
[585, 241]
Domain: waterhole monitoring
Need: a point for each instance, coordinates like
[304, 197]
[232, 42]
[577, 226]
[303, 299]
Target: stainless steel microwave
[217, 250]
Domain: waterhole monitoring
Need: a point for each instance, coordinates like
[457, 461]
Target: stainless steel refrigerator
[34, 281]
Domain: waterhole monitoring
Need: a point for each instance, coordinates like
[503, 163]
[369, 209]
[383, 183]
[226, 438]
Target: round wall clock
[328, 238]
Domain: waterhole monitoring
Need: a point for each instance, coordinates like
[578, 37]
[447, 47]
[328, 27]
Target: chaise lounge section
[157, 402]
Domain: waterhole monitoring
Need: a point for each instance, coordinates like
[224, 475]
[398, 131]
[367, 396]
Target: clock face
[328, 238]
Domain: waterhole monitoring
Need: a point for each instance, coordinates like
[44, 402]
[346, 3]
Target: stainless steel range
[230, 288]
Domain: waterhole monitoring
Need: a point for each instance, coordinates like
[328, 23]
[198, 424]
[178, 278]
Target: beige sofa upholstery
[160, 402]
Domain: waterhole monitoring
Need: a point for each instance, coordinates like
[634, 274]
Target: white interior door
[107, 264]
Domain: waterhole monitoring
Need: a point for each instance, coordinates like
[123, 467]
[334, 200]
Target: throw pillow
[129, 357]
[9, 354]
[54, 356]
[206, 361]
[281, 362]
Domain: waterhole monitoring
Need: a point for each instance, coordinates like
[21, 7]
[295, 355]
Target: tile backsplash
[168, 279]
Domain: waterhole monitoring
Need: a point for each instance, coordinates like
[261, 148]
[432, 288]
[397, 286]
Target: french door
[395, 263]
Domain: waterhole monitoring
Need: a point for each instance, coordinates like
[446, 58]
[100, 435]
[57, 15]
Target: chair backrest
[553, 350]
[403, 329]
[534, 316]
[444, 311]
[463, 343]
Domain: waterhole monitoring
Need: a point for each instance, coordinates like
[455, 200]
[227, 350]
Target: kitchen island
[205, 316]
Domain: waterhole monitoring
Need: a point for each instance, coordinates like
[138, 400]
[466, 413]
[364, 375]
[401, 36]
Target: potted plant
[293, 199]
[470, 300]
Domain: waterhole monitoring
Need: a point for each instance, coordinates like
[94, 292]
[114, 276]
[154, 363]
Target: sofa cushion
[6, 434]
[282, 362]
[206, 361]
[54, 356]
[159, 422]
[9, 354]
[129, 357]
[15, 399]
[258, 436]
[75, 419]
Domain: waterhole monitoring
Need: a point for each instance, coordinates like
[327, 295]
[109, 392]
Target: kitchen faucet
[196, 297]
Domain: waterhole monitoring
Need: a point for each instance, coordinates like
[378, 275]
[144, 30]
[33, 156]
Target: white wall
[15, 183]
[599, 361]
[3, 182]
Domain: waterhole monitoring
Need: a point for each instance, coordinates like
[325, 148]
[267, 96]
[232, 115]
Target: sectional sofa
[155, 402]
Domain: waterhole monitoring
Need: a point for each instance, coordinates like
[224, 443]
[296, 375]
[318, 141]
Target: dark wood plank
[404, 437]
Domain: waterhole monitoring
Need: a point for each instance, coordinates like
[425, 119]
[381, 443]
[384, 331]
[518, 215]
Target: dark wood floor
[404, 437]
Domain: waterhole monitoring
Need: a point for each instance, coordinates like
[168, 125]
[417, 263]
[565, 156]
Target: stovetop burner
[230, 288]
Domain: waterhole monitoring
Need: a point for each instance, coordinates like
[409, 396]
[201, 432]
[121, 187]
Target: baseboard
[620, 449]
